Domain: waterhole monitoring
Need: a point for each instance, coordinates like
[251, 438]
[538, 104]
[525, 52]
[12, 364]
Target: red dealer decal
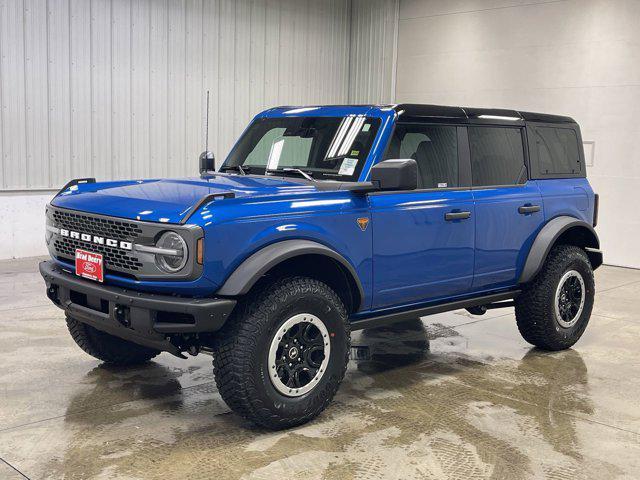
[89, 265]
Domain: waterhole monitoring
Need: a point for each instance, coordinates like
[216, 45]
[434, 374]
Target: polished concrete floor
[454, 396]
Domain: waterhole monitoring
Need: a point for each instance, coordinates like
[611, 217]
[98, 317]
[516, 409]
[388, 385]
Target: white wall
[22, 220]
[574, 57]
[372, 53]
[116, 88]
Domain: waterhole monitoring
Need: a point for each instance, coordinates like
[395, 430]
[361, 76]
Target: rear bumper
[142, 318]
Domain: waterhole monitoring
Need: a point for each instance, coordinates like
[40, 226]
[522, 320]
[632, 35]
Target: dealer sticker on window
[89, 265]
[348, 166]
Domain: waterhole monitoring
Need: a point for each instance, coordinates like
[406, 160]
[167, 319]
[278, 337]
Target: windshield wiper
[237, 168]
[337, 157]
[292, 170]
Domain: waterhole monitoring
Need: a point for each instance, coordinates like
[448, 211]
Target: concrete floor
[454, 396]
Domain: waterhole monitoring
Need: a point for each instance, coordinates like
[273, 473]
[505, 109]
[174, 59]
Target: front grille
[80, 222]
[114, 258]
[133, 264]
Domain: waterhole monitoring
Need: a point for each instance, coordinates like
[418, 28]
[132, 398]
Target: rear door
[508, 206]
[423, 239]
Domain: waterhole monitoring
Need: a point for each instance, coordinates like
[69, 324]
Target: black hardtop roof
[416, 110]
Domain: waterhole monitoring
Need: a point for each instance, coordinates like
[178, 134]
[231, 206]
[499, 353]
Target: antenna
[206, 134]
[207, 159]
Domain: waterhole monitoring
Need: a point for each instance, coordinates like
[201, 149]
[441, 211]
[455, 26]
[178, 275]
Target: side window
[557, 151]
[497, 156]
[434, 148]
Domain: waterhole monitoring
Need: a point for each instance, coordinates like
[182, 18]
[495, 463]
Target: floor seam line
[13, 468]
[23, 308]
[81, 412]
[618, 286]
[596, 422]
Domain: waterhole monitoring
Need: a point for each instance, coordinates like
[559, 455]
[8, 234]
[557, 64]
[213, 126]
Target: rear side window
[558, 152]
[497, 156]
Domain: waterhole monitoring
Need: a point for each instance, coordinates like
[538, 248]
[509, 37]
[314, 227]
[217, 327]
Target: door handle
[456, 216]
[524, 209]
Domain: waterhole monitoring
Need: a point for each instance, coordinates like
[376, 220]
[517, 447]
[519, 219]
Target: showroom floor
[456, 396]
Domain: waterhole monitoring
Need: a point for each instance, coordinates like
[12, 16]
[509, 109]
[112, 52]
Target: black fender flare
[548, 236]
[255, 266]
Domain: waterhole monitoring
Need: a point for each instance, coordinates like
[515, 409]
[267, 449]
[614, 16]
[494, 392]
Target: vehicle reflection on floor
[451, 396]
[403, 407]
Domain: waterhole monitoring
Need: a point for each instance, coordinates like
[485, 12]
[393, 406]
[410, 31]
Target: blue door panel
[417, 255]
[503, 235]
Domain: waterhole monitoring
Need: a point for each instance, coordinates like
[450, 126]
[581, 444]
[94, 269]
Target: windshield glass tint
[327, 148]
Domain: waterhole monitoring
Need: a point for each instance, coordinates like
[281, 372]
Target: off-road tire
[535, 306]
[105, 347]
[242, 347]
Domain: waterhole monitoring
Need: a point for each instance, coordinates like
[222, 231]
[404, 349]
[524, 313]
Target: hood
[168, 200]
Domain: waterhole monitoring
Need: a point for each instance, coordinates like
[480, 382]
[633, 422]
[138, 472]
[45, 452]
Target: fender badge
[362, 223]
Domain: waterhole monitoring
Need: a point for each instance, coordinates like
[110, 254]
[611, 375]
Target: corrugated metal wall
[373, 51]
[116, 88]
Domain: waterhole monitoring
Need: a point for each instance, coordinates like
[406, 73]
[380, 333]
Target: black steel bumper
[143, 318]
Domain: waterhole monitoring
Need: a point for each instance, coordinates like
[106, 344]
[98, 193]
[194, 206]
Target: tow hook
[122, 315]
[52, 293]
[193, 350]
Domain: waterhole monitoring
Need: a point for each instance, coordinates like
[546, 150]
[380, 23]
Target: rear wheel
[106, 347]
[280, 360]
[553, 311]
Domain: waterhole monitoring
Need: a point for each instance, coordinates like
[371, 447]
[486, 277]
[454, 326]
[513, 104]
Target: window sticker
[348, 166]
[442, 185]
[355, 153]
[366, 127]
[274, 153]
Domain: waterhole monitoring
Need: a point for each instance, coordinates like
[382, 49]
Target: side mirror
[397, 174]
[207, 162]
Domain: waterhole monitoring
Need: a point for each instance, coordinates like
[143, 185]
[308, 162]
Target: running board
[389, 318]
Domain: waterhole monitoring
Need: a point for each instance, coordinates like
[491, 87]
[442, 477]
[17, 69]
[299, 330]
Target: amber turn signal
[200, 251]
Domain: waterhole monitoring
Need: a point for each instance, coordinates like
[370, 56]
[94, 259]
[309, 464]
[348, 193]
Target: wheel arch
[563, 230]
[297, 257]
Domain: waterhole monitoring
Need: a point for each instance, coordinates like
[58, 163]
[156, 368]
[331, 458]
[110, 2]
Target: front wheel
[280, 359]
[553, 311]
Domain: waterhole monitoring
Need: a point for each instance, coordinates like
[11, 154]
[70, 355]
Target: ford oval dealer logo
[90, 268]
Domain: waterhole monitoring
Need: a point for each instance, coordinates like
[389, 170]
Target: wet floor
[452, 396]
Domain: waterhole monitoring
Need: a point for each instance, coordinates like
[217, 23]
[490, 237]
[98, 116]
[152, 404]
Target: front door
[423, 240]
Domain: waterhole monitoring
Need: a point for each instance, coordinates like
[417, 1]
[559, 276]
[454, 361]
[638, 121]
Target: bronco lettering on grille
[85, 237]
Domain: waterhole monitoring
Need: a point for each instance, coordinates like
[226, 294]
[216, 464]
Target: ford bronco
[324, 220]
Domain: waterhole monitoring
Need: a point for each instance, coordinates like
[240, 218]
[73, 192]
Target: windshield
[325, 148]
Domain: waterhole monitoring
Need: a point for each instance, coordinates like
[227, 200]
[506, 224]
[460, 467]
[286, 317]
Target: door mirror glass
[396, 174]
[207, 162]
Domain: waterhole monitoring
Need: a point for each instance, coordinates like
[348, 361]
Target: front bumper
[143, 318]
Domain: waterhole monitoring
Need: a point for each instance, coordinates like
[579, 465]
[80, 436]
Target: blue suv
[324, 220]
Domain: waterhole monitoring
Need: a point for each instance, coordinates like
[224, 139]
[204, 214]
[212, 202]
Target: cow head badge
[363, 223]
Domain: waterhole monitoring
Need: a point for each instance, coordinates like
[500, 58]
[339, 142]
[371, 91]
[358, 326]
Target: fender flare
[255, 266]
[548, 236]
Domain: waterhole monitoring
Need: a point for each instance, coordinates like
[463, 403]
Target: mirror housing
[396, 174]
[207, 162]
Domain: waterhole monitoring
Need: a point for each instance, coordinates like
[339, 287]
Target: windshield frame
[378, 121]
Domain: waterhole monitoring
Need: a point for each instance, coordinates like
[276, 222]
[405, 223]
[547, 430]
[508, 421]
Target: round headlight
[171, 262]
